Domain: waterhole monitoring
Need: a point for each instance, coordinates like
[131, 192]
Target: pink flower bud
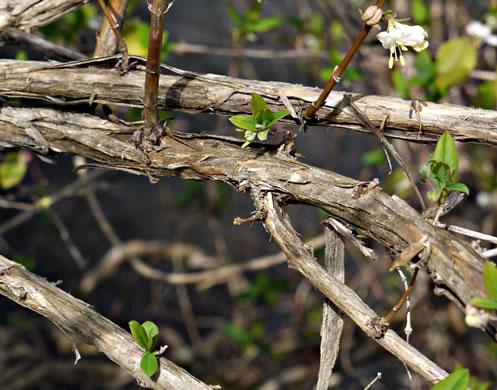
[372, 15]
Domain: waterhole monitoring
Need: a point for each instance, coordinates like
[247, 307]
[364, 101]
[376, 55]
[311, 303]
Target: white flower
[399, 35]
[482, 31]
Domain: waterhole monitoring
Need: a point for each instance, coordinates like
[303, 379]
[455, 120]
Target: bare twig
[204, 279]
[114, 20]
[340, 294]
[332, 323]
[39, 43]
[110, 35]
[68, 190]
[66, 238]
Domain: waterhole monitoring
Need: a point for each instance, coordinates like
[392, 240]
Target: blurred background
[255, 329]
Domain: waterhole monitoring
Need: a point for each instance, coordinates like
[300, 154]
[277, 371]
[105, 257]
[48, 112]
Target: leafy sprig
[146, 336]
[260, 122]
[490, 281]
[442, 167]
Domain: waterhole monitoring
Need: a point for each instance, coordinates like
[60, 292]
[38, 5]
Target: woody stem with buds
[337, 73]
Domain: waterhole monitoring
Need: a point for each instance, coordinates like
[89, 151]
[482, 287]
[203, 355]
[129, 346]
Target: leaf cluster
[442, 168]
[249, 23]
[460, 380]
[146, 336]
[490, 281]
[260, 122]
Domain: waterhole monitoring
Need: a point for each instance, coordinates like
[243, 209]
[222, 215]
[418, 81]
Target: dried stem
[332, 324]
[115, 24]
[110, 35]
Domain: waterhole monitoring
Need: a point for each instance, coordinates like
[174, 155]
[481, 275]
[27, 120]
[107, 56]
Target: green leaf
[152, 334]
[420, 12]
[461, 187]
[401, 84]
[258, 106]
[265, 24]
[446, 152]
[458, 380]
[425, 172]
[434, 194]
[485, 303]
[374, 157]
[277, 116]
[262, 135]
[441, 174]
[235, 16]
[12, 170]
[487, 95]
[138, 333]
[244, 122]
[149, 364]
[490, 278]
[455, 59]
[237, 333]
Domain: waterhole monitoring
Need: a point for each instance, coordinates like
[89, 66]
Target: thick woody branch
[278, 225]
[29, 15]
[70, 84]
[389, 220]
[79, 321]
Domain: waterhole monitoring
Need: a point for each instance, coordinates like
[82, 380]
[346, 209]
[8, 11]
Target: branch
[152, 125]
[76, 83]
[29, 15]
[453, 263]
[78, 320]
[278, 225]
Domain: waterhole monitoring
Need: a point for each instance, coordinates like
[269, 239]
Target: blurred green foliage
[264, 290]
[250, 22]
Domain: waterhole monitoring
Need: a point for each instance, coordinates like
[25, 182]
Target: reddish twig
[150, 113]
[337, 73]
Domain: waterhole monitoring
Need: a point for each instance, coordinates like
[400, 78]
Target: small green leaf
[266, 24]
[277, 116]
[425, 172]
[244, 122]
[446, 152]
[152, 334]
[485, 303]
[235, 16]
[434, 194]
[12, 170]
[461, 187]
[420, 12]
[149, 363]
[258, 106]
[441, 174]
[490, 278]
[458, 380]
[455, 59]
[138, 333]
[374, 157]
[262, 135]
[401, 84]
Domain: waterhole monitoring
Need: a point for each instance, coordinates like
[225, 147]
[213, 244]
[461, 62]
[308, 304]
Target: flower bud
[475, 317]
[372, 15]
